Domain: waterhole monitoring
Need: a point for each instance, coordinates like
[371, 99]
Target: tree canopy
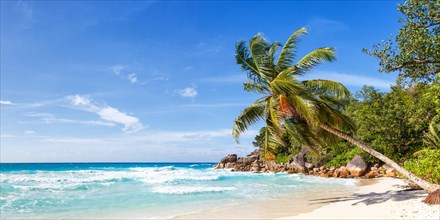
[415, 50]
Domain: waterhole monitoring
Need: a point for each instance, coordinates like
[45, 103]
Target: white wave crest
[190, 189]
[62, 180]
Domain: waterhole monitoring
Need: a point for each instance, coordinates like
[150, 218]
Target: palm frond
[288, 72]
[243, 58]
[329, 115]
[304, 107]
[270, 144]
[299, 133]
[259, 51]
[314, 58]
[272, 50]
[287, 54]
[273, 114]
[432, 139]
[249, 116]
[255, 87]
[285, 85]
[328, 87]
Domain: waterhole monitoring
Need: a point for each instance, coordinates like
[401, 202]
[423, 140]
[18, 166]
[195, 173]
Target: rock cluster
[249, 163]
[357, 167]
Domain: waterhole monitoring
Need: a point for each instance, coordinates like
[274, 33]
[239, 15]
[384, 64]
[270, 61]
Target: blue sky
[157, 80]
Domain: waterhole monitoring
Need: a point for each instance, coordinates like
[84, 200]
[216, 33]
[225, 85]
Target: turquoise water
[145, 190]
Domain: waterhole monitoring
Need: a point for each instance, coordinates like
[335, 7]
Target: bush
[282, 159]
[344, 152]
[426, 165]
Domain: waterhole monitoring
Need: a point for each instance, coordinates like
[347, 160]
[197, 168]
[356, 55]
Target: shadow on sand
[375, 198]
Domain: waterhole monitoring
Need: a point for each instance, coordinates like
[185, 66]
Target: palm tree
[306, 110]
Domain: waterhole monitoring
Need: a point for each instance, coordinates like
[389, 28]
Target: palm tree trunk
[420, 182]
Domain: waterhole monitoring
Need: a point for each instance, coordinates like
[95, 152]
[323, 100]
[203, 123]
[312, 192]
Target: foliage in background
[415, 51]
[342, 153]
[426, 165]
[393, 123]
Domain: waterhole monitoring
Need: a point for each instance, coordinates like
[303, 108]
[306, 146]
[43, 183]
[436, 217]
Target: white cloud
[132, 77]
[117, 69]
[325, 25]
[125, 72]
[49, 119]
[29, 132]
[151, 145]
[83, 102]
[350, 79]
[78, 100]
[107, 113]
[5, 102]
[131, 124]
[189, 92]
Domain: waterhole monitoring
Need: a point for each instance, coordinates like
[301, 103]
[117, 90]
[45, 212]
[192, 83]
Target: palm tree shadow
[374, 198]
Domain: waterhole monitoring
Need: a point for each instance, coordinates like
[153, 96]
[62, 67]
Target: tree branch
[414, 62]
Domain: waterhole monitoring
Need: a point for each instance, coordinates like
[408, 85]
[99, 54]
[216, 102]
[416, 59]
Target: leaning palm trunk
[420, 182]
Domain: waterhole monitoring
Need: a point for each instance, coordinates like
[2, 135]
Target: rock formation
[357, 166]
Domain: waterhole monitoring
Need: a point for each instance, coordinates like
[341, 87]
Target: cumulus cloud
[5, 102]
[132, 78]
[189, 92]
[107, 113]
[131, 124]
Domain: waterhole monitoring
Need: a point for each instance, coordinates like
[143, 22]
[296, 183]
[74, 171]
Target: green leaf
[287, 54]
[314, 58]
[328, 87]
[249, 116]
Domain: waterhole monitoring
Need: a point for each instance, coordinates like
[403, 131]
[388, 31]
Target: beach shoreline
[270, 208]
[386, 198]
[379, 198]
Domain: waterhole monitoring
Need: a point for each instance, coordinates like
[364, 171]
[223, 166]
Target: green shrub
[282, 158]
[342, 153]
[426, 165]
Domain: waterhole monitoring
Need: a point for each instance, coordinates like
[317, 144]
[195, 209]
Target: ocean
[144, 190]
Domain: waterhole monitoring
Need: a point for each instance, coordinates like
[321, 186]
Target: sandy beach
[385, 198]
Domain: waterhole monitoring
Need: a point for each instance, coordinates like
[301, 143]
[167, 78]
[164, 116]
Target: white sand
[384, 199]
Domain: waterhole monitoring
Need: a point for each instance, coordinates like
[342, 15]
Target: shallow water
[143, 190]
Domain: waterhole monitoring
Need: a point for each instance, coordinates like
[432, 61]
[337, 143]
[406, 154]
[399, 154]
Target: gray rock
[229, 165]
[219, 166]
[248, 160]
[299, 163]
[271, 166]
[309, 165]
[357, 166]
[231, 158]
[332, 169]
[343, 172]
